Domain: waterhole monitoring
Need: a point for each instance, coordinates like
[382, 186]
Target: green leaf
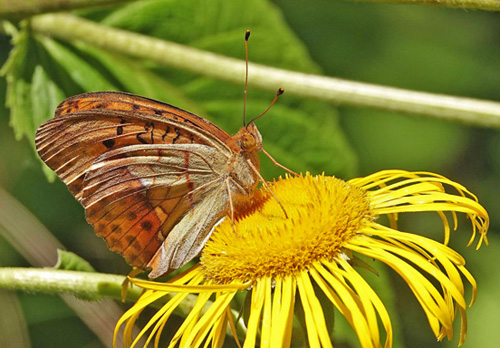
[18, 71]
[81, 71]
[69, 261]
[45, 95]
[142, 81]
[40, 73]
[303, 135]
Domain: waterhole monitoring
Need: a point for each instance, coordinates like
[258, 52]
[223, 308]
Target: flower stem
[90, 286]
[25, 8]
[489, 5]
[86, 285]
[333, 90]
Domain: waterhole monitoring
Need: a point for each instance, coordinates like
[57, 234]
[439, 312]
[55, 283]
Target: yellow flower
[286, 260]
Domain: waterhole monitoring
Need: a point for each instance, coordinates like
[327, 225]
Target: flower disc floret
[322, 214]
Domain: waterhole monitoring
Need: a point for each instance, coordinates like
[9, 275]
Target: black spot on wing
[178, 135]
[129, 238]
[109, 143]
[140, 139]
[101, 105]
[166, 133]
[146, 225]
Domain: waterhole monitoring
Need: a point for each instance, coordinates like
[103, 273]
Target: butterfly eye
[248, 141]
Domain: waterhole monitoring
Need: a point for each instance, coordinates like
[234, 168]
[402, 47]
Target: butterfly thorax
[249, 141]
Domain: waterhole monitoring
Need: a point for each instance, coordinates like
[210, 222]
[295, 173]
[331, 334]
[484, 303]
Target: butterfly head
[249, 138]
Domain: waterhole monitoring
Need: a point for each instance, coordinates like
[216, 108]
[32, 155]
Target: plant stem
[25, 8]
[489, 5]
[333, 90]
[86, 285]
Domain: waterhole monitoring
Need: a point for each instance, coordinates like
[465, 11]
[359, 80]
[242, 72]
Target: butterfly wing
[139, 166]
[141, 199]
[88, 125]
[181, 247]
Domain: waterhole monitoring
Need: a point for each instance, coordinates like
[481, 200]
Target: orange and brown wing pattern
[137, 165]
[149, 108]
[89, 125]
[151, 112]
[136, 195]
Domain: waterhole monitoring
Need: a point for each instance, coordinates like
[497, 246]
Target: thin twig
[24, 8]
[336, 91]
[489, 5]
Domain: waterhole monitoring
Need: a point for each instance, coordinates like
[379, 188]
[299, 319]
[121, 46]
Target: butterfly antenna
[247, 35]
[280, 92]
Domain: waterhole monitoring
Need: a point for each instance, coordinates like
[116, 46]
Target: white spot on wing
[146, 182]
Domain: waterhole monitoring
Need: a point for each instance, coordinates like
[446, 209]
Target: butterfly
[153, 179]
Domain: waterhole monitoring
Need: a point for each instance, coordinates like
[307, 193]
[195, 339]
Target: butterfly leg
[264, 182]
[231, 205]
[276, 163]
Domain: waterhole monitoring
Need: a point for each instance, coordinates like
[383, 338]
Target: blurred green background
[438, 50]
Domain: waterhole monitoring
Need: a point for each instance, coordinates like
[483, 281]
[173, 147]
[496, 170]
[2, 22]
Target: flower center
[323, 213]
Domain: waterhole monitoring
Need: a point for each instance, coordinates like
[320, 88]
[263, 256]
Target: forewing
[89, 125]
[137, 196]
